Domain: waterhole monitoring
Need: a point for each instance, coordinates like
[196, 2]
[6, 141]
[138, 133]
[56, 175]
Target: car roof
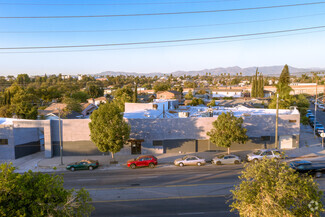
[301, 162]
[146, 156]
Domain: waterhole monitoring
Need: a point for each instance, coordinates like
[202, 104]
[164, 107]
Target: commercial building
[158, 127]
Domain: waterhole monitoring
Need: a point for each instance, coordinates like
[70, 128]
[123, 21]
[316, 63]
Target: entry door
[136, 148]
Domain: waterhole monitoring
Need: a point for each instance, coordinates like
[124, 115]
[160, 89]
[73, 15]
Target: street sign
[322, 135]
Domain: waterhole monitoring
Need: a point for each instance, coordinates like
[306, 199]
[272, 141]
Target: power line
[160, 28]
[116, 4]
[177, 45]
[163, 41]
[164, 13]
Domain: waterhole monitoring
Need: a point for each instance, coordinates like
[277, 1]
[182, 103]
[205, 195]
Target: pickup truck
[307, 167]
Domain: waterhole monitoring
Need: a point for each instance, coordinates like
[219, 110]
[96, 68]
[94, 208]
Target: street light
[60, 137]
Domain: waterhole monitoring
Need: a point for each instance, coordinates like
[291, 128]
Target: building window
[292, 121]
[3, 141]
[157, 143]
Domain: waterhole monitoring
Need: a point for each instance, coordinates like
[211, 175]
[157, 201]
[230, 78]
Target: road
[167, 191]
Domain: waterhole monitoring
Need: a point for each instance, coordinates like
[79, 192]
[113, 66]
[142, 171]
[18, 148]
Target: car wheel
[236, 162]
[199, 164]
[72, 169]
[132, 166]
[151, 165]
[318, 174]
[218, 162]
[90, 168]
[181, 164]
[255, 160]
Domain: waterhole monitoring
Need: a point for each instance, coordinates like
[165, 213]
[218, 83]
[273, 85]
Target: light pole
[276, 121]
[61, 147]
[315, 110]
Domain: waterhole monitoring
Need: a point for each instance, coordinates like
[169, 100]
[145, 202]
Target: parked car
[311, 118]
[83, 165]
[309, 113]
[189, 160]
[143, 161]
[313, 123]
[307, 167]
[226, 159]
[260, 154]
[320, 106]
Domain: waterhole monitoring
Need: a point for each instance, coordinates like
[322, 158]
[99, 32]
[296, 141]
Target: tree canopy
[226, 130]
[108, 129]
[38, 194]
[271, 188]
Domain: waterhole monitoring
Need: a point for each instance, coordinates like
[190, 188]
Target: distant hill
[265, 70]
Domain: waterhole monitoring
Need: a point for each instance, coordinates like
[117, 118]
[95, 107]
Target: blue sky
[298, 49]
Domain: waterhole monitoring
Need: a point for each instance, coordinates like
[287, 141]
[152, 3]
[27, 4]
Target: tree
[95, 91]
[196, 101]
[38, 194]
[285, 76]
[226, 130]
[212, 103]
[72, 105]
[161, 86]
[189, 95]
[272, 188]
[80, 96]
[108, 129]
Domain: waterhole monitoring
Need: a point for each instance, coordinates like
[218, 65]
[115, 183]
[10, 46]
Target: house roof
[170, 91]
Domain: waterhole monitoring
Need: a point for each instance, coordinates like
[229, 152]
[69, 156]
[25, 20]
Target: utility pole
[315, 109]
[60, 137]
[276, 121]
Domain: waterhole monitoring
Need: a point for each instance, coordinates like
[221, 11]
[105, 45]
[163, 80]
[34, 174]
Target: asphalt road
[167, 191]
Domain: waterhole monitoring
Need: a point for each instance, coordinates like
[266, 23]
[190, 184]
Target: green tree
[72, 105]
[108, 129]
[285, 76]
[271, 188]
[212, 103]
[23, 79]
[189, 95]
[95, 91]
[80, 96]
[38, 194]
[226, 130]
[196, 101]
[161, 86]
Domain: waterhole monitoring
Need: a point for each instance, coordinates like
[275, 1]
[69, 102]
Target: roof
[170, 91]
[56, 106]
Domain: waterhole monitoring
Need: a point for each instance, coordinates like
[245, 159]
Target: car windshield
[257, 152]
[220, 156]
[184, 157]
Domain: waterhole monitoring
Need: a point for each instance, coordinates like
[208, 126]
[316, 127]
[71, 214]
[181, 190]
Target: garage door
[285, 142]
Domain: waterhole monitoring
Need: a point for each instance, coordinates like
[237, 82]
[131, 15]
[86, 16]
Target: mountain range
[265, 70]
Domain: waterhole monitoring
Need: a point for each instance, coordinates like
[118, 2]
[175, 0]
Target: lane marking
[191, 213]
[86, 179]
[162, 198]
[161, 186]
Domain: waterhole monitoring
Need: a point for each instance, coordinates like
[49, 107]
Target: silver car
[267, 153]
[189, 161]
[226, 159]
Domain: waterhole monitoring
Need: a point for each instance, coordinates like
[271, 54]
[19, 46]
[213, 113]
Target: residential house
[97, 101]
[170, 94]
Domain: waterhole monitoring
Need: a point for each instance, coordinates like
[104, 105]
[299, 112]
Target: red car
[143, 161]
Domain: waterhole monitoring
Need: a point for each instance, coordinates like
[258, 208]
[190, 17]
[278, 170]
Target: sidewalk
[310, 149]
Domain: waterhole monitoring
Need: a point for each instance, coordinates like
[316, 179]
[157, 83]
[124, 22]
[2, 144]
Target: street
[167, 191]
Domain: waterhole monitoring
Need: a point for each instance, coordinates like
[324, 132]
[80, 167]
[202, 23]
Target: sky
[302, 49]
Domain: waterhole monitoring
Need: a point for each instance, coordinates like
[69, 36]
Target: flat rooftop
[196, 111]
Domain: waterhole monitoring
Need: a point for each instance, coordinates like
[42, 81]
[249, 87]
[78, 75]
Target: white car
[189, 161]
[226, 159]
[260, 154]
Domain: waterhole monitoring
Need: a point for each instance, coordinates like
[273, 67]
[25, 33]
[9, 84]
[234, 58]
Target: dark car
[83, 165]
[307, 167]
[143, 161]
